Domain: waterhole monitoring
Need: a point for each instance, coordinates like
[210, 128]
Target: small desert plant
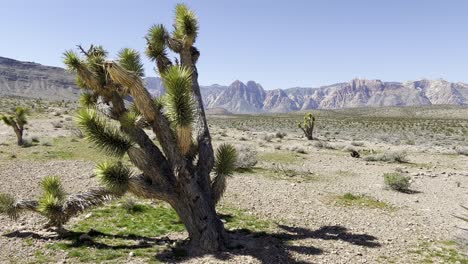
[396, 181]
[280, 135]
[17, 122]
[132, 206]
[56, 124]
[307, 126]
[392, 157]
[299, 150]
[246, 158]
[463, 151]
[268, 138]
[54, 203]
[357, 143]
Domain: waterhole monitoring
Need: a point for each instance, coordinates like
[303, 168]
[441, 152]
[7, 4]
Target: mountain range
[32, 80]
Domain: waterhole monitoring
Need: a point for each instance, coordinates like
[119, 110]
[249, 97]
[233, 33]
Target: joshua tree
[181, 168]
[17, 122]
[307, 126]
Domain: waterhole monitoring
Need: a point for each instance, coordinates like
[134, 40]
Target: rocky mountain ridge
[32, 80]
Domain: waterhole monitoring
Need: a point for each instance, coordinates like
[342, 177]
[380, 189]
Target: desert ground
[294, 200]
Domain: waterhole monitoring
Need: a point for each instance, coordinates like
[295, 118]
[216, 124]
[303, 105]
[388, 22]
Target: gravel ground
[312, 228]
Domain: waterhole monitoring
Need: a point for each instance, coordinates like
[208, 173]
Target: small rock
[131, 254]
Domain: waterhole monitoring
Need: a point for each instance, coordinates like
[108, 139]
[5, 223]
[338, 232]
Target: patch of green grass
[119, 231]
[360, 200]
[240, 219]
[40, 257]
[116, 231]
[441, 252]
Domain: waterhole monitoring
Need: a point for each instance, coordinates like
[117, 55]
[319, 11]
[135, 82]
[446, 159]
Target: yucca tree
[17, 121]
[181, 167]
[307, 126]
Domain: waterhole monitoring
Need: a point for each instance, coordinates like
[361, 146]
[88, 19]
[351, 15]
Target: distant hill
[27, 79]
[33, 80]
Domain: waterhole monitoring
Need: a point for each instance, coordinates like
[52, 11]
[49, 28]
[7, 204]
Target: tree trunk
[197, 211]
[19, 136]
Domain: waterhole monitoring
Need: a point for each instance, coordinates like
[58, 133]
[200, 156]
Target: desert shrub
[57, 124]
[323, 144]
[463, 151]
[357, 143]
[246, 158]
[396, 181]
[268, 138]
[280, 134]
[132, 206]
[393, 157]
[299, 150]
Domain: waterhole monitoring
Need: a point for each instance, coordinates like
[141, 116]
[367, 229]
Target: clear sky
[279, 44]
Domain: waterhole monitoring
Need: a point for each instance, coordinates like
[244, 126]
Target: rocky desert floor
[305, 201]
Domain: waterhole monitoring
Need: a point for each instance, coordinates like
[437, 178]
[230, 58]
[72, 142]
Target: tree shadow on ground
[277, 247]
[87, 239]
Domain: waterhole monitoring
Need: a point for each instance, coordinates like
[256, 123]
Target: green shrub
[394, 157]
[280, 135]
[397, 181]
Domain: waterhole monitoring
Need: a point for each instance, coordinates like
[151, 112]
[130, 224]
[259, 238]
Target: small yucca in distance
[17, 121]
[307, 126]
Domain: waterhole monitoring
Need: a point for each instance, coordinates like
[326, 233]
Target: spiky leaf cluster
[87, 100]
[90, 73]
[226, 157]
[131, 61]
[20, 115]
[103, 134]
[185, 25]
[156, 38]
[50, 206]
[8, 120]
[7, 206]
[114, 175]
[53, 197]
[51, 185]
[178, 100]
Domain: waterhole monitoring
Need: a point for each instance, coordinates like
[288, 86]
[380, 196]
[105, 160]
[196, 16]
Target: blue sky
[279, 44]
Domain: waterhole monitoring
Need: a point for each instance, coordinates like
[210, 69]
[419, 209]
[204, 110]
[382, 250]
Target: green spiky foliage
[7, 206]
[103, 134]
[88, 100]
[225, 165]
[51, 185]
[131, 61]
[54, 204]
[185, 25]
[179, 104]
[114, 175]
[307, 126]
[17, 121]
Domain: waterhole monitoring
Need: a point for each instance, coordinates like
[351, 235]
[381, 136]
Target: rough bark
[197, 212]
[19, 134]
